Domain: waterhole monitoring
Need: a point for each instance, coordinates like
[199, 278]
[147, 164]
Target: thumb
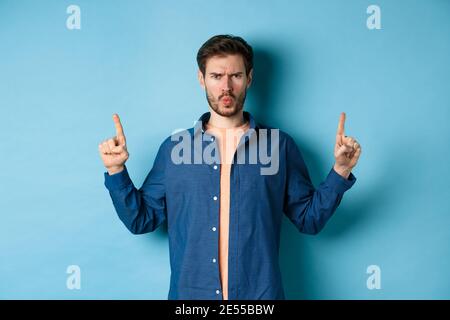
[342, 150]
[119, 149]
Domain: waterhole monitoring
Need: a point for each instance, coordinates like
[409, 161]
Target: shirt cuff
[117, 181]
[339, 183]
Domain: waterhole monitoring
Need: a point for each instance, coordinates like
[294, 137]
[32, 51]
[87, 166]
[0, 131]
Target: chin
[228, 110]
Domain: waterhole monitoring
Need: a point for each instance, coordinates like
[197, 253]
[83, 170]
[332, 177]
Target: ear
[201, 79]
[249, 78]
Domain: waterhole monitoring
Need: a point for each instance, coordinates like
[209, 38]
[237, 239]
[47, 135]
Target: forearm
[136, 214]
[313, 208]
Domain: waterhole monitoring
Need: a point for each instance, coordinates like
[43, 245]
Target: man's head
[225, 72]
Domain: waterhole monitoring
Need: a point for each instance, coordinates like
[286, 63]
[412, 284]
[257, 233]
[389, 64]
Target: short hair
[221, 45]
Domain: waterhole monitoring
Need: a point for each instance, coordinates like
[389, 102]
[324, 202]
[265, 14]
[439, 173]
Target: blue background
[313, 59]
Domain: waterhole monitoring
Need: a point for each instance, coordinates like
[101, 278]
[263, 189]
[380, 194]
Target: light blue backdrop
[314, 59]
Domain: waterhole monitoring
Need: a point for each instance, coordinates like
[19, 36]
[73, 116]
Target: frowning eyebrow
[221, 74]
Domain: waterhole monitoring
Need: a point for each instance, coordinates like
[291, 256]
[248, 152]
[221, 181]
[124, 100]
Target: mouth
[227, 100]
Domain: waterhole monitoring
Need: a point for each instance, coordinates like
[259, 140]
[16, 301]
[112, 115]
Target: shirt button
[215, 167]
[214, 229]
[212, 138]
[214, 260]
[217, 291]
[215, 198]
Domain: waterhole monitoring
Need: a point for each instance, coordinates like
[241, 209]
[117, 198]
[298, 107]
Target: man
[224, 214]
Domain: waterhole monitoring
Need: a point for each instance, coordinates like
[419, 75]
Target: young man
[223, 208]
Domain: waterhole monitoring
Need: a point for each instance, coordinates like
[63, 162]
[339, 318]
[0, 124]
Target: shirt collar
[200, 125]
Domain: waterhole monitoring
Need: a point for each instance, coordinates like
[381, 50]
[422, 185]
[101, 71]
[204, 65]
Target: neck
[219, 121]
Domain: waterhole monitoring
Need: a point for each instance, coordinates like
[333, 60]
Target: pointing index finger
[340, 130]
[119, 129]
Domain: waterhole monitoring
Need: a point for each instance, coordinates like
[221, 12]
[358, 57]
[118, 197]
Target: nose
[227, 85]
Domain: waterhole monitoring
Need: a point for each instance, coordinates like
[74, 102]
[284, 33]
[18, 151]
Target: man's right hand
[114, 150]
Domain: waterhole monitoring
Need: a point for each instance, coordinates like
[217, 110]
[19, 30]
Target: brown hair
[221, 45]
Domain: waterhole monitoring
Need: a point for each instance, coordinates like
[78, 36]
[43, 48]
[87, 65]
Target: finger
[118, 149]
[105, 148]
[111, 144]
[340, 130]
[357, 153]
[119, 142]
[349, 141]
[339, 140]
[352, 153]
[355, 145]
[119, 129]
[343, 150]
[100, 148]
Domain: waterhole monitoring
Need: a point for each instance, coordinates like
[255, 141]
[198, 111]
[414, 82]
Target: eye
[215, 76]
[238, 76]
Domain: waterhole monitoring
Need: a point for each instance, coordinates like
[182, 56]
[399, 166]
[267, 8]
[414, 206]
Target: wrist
[342, 171]
[114, 170]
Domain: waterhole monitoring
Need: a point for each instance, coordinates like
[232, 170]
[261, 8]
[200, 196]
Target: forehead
[226, 63]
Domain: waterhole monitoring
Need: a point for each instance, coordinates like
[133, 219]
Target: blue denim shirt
[187, 196]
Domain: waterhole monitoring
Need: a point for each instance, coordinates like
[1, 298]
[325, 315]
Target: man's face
[226, 84]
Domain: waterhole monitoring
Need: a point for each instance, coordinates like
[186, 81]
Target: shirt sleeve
[307, 207]
[141, 210]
